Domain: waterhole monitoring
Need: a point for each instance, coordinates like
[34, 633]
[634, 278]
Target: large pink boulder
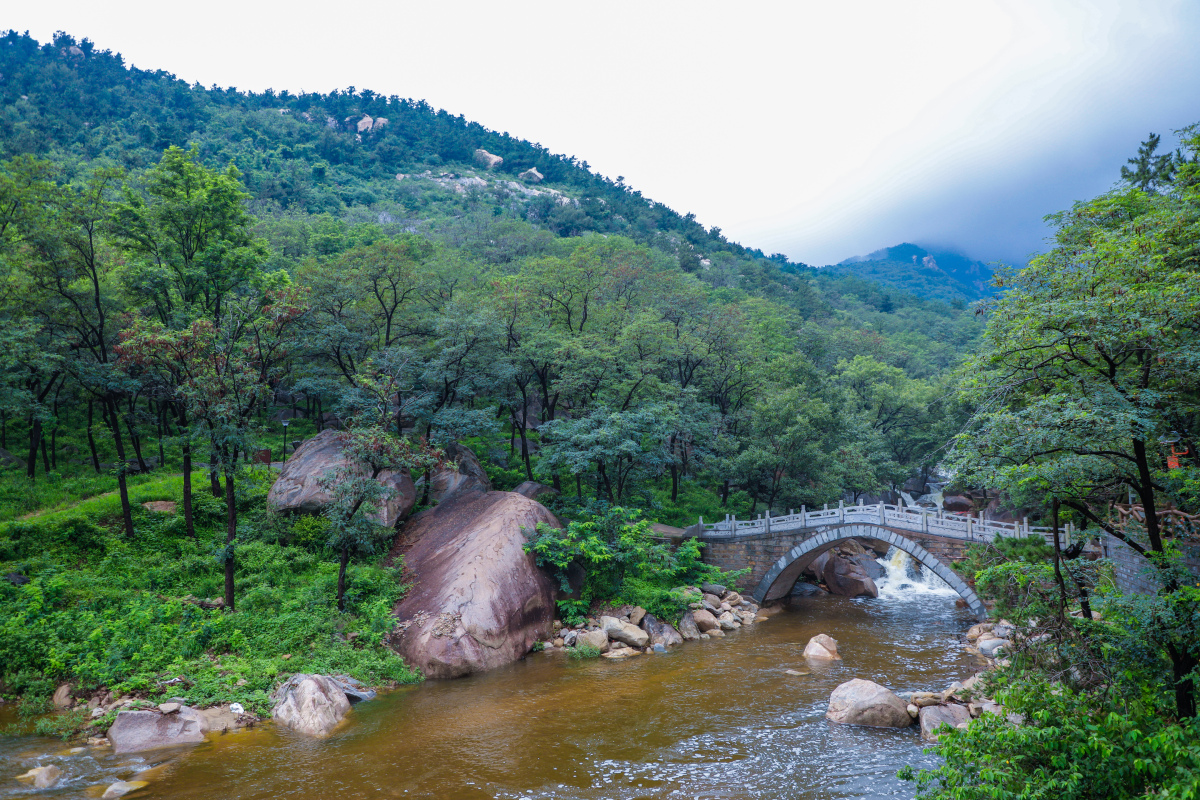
[298, 487]
[478, 600]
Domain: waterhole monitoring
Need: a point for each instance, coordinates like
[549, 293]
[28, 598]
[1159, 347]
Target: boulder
[595, 638]
[122, 788]
[990, 647]
[822, 646]
[478, 600]
[933, 717]
[860, 702]
[309, 704]
[845, 577]
[298, 487]
[636, 615]
[712, 588]
[711, 600]
[816, 568]
[134, 731]
[922, 699]
[534, 490]
[957, 503]
[688, 628]
[487, 160]
[976, 632]
[624, 632]
[733, 598]
[355, 690]
[462, 473]
[870, 567]
[728, 622]
[62, 696]
[41, 777]
[705, 621]
[661, 633]
[531, 175]
[804, 589]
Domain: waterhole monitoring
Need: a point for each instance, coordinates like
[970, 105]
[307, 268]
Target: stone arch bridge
[777, 549]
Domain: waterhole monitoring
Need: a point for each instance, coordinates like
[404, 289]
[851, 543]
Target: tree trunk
[341, 590]
[1183, 664]
[674, 483]
[45, 456]
[1062, 586]
[35, 438]
[188, 519]
[213, 477]
[122, 484]
[137, 443]
[92, 439]
[230, 534]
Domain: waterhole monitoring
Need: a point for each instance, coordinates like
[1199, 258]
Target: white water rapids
[908, 579]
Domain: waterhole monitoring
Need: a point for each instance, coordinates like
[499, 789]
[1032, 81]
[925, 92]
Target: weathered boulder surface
[478, 599]
[531, 175]
[298, 487]
[122, 788]
[595, 638]
[845, 577]
[991, 646]
[660, 632]
[533, 490]
[309, 704]
[41, 777]
[688, 628]
[822, 646]
[860, 702]
[464, 475]
[705, 621]
[621, 631]
[487, 160]
[933, 717]
[134, 731]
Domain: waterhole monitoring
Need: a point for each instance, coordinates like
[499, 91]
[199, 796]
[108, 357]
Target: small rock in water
[794, 672]
[660, 648]
[822, 646]
[41, 777]
[913, 711]
[122, 788]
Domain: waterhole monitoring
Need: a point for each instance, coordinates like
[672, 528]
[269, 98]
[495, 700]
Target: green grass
[103, 610]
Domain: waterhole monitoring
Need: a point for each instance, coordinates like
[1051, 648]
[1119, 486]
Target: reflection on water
[715, 719]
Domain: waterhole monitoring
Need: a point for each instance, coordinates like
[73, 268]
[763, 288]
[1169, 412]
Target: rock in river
[478, 600]
[705, 621]
[688, 628]
[41, 777]
[860, 702]
[309, 704]
[822, 646]
[624, 632]
[134, 731]
[661, 632]
[298, 487]
[933, 717]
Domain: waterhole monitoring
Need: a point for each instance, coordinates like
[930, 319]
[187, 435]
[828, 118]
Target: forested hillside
[947, 276]
[558, 302]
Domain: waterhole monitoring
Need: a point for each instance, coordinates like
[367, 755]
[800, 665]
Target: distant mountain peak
[941, 274]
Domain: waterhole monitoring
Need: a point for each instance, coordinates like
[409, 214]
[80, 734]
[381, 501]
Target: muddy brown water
[714, 719]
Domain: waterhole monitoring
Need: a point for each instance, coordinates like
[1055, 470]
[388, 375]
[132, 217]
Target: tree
[1089, 358]
[1150, 171]
[223, 374]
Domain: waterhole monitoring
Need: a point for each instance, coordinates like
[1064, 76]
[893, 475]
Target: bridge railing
[917, 520]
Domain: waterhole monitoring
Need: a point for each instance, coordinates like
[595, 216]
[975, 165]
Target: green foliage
[1071, 745]
[581, 652]
[623, 563]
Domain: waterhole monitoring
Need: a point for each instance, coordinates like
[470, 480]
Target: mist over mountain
[940, 275]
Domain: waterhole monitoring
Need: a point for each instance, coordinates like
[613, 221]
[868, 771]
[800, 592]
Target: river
[711, 719]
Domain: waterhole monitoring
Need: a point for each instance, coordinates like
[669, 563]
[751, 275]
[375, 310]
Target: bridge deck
[910, 520]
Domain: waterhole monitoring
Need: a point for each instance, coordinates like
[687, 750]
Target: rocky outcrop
[487, 160]
[844, 576]
[660, 632]
[298, 487]
[478, 600]
[135, 731]
[463, 473]
[310, 704]
[531, 175]
[534, 490]
[822, 647]
[934, 717]
[624, 632]
[866, 703]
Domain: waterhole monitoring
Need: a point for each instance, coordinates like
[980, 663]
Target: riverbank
[722, 713]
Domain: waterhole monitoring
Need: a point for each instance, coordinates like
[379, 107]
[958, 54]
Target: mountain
[940, 275]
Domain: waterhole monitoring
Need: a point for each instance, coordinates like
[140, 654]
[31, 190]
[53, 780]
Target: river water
[710, 719]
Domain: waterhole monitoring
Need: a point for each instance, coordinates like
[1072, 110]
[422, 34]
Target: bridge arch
[779, 579]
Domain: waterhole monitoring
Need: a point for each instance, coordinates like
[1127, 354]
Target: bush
[581, 651]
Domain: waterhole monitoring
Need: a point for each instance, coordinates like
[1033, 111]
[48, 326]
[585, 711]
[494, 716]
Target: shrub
[581, 651]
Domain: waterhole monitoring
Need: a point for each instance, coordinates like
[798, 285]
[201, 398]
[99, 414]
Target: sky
[820, 130]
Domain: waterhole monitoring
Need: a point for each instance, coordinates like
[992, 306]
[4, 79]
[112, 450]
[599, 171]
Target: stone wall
[760, 551]
[1133, 574]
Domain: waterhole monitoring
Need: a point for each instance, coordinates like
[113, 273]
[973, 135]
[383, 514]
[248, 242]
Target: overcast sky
[817, 129]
